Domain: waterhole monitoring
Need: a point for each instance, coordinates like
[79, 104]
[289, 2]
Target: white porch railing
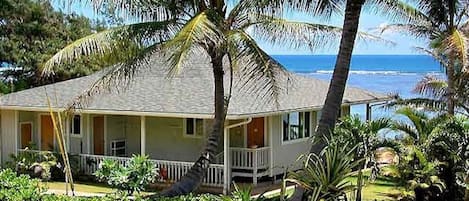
[174, 170]
[247, 158]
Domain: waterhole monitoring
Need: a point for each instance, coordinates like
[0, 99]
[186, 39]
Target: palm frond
[406, 129]
[141, 10]
[425, 103]
[432, 86]
[456, 44]
[112, 41]
[260, 73]
[293, 34]
[415, 30]
[116, 77]
[197, 33]
[397, 10]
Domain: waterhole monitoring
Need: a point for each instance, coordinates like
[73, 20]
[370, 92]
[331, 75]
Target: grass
[383, 189]
[80, 187]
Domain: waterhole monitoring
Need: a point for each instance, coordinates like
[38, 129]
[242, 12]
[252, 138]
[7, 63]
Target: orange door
[98, 135]
[26, 134]
[47, 133]
[256, 132]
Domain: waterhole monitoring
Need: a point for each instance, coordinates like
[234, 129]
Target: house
[168, 118]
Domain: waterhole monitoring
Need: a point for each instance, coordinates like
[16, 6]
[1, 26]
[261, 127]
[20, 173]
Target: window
[296, 125]
[75, 125]
[194, 127]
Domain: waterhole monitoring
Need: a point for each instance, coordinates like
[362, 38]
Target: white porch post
[368, 112]
[226, 161]
[142, 135]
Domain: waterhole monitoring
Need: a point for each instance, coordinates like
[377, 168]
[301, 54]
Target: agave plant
[324, 175]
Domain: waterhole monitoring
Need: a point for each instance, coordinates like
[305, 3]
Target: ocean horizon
[387, 74]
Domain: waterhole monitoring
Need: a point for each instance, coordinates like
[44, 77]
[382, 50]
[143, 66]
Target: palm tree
[393, 9]
[444, 25]
[435, 94]
[184, 29]
[418, 127]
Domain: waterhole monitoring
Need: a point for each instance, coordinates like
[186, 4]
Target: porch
[254, 163]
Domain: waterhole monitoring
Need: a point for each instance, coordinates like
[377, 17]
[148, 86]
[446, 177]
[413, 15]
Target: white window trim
[303, 139]
[70, 125]
[195, 127]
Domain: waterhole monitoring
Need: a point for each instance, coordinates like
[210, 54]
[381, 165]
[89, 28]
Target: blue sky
[403, 44]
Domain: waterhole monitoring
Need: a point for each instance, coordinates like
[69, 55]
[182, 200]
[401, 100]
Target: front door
[26, 134]
[98, 135]
[47, 133]
[256, 133]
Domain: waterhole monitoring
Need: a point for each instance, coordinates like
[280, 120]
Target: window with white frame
[75, 125]
[193, 127]
[296, 125]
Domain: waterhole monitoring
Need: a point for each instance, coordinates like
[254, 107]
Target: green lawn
[80, 187]
[382, 190]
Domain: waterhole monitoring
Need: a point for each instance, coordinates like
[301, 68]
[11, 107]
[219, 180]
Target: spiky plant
[325, 175]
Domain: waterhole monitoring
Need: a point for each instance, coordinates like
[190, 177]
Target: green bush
[133, 177]
[13, 187]
[26, 162]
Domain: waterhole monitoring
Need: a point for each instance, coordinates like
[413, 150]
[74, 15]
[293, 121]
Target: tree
[395, 10]
[183, 29]
[419, 126]
[364, 137]
[31, 31]
[435, 94]
[444, 25]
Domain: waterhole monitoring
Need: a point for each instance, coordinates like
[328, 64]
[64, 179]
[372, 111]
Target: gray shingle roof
[188, 93]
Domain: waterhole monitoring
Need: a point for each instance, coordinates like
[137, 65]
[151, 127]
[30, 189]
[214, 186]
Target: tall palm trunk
[450, 76]
[331, 108]
[196, 174]
[335, 94]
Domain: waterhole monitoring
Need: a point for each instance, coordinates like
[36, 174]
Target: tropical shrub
[37, 164]
[325, 175]
[13, 187]
[449, 144]
[134, 177]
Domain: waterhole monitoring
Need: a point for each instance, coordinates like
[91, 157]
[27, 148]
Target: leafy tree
[418, 126]
[31, 31]
[180, 30]
[444, 25]
[449, 144]
[364, 137]
[435, 94]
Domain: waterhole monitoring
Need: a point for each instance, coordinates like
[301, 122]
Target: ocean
[388, 74]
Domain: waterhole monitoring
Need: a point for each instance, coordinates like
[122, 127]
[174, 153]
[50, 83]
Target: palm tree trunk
[335, 94]
[451, 78]
[193, 178]
[331, 108]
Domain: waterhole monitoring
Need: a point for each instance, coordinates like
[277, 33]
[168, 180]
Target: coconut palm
[435, 94]
[183, 29]
[364, 136]
[444, 26]
[393, 9]
[418, 126]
